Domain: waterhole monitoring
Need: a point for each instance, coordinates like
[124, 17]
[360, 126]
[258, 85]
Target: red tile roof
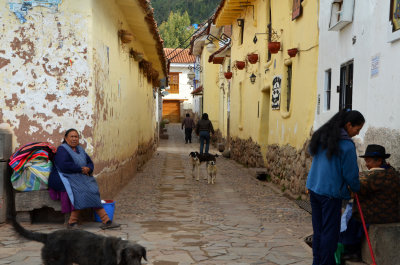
[179, 55]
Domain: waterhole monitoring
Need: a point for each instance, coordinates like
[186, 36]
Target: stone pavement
[238, 220]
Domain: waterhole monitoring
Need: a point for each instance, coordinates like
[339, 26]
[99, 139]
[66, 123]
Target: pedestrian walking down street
[333, 171]
[188, 124]
[203, 129]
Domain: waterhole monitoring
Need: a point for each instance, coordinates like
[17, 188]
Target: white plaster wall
[375, 97]
[184, 87]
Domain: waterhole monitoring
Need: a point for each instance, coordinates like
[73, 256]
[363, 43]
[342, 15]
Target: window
[241, 32]
[289, 87]
[346, 86]
[341, 14]
[173, 83]
[327, 90]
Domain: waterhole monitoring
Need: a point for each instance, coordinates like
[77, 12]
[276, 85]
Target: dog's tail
[41, 237]
[12, 215]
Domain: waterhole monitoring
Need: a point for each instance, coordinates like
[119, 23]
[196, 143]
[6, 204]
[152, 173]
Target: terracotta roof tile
[179, 55]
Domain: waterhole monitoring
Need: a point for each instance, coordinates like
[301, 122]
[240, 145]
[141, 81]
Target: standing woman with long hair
[333, 171]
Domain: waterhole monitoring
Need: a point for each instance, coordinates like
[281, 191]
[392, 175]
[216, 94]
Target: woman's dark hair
[68, 132]
[204, 116]
[328, 136]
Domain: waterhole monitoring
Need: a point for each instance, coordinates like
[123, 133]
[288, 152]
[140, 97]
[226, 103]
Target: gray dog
[64, 247]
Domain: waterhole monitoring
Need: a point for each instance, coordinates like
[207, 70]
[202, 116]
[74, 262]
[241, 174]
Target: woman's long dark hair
[328, 136]
[67, 132]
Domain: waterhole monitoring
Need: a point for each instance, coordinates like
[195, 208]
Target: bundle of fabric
[32, 166]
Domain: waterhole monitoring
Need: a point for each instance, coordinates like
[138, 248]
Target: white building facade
[359, 52]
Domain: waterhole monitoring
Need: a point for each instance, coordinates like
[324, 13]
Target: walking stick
[365, 230]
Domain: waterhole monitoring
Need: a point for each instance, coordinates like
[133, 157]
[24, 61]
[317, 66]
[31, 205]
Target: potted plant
[292, 52]
[274, 45]
[218, 60]
[228, 75]
[240, 64]
[252, 58]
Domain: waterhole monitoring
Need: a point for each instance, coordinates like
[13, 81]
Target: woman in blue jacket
[333, 171]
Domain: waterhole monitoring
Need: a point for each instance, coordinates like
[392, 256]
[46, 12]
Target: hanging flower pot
[240, 64]
[228, 75]
[274, 46]
[125, 36]
[218, 60]
[253, 58]
[292, 52]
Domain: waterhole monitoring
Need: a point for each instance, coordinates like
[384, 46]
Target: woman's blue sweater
[332, 177]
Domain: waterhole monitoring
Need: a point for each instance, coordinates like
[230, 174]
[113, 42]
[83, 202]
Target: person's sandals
[72, 226]
[109, 225]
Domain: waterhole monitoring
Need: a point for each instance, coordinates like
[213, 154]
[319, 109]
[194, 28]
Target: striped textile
[34, 175]
[29, 151]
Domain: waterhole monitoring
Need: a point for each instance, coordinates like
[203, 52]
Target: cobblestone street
[238, 220]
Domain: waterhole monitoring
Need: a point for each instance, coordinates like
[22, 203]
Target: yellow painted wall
[251, 113]
[210, 80]
[247, 100]
[125, 110]
[293, 127]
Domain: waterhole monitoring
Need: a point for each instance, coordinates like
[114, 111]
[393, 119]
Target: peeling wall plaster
[45, 85]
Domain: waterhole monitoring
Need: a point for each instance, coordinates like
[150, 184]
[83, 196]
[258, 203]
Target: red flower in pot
[240, 64]
[218, 60]
[228, 75]
[292, 52]
[274, 46]
[253, 58]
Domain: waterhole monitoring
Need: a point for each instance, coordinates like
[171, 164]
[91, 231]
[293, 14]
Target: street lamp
[253, 78]
[191, 75]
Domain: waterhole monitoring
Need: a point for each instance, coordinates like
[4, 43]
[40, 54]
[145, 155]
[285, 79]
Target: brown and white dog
[197, 159]
[211, 171]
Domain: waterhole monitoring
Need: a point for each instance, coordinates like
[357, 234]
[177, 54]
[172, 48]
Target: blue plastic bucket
[109, 207]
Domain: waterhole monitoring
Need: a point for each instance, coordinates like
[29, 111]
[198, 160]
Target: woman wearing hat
[378, 196]
[334, 169]
[380, 188]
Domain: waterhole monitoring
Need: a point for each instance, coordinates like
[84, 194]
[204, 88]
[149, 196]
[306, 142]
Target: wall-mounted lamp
[191, 75]
[253, 78]
[240, 22]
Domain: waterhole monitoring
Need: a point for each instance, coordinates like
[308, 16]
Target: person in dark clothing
[334, 168]
[72, 174]
[203, 128]
[188, 123]
[378, 196]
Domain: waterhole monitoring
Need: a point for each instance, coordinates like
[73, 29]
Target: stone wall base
[110, 183]
[246, 152]
[288, 167]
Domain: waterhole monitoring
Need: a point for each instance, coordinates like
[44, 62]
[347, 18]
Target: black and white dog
[196, 160]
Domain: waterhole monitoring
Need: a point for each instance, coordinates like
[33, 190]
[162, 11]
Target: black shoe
[109, 225]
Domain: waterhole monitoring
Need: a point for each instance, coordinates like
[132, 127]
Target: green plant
[283, 188]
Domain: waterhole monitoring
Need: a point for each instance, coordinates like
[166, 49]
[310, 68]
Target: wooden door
[171, 110]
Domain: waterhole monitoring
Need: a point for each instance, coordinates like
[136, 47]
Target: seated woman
[72, 178]
[378, 196]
